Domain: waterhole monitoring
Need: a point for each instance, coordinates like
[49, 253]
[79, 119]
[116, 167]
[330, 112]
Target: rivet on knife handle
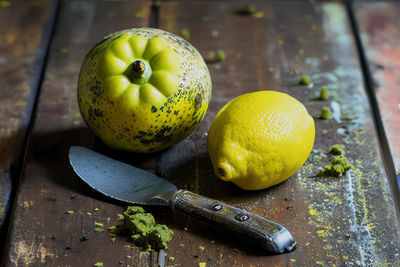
[268, 235]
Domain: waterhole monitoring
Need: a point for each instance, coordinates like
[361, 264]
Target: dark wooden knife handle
[269, 236]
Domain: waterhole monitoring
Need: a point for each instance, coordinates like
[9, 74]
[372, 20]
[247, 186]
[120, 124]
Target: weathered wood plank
[379, 25]
[43, 234]
[22, 29]
[342, 221]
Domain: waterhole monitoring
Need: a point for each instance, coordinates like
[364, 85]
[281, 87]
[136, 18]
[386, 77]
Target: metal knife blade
[119, 180]
[129, 184]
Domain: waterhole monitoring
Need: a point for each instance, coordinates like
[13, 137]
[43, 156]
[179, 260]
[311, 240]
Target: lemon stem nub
[221, 172]
[225, 171]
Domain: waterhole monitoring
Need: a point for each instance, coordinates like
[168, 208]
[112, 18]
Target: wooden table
[352, 48]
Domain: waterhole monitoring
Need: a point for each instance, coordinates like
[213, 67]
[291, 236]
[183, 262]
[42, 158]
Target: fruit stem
[139, 72]
[138, 68]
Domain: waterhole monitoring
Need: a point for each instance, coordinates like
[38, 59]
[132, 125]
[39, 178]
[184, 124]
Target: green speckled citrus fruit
[143, 89]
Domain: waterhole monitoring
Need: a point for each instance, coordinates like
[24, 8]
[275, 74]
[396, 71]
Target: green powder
[337, 168]
[305, 80]
[337, 150]
[325, 113]
[323, 93]
[142, 229]
[185, 33]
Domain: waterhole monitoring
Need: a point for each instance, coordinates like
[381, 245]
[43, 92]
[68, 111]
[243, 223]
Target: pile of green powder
[339, 165]
[141, 228]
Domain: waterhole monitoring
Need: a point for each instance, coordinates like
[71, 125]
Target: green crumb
[99, 229]
[5, 3]
[346, 118]
[98, 264]
[96, 209]
[337, 150]
[215, 56]
[221, 56]
[339, 165]
[325, 113]
[171, 258]
[70, 212]
[305, 80]
[120, 216]
[185, 33]
[142, 229]
[301, 52]
[323, 93]
[141, 13]
[247, 10]
[202, 248]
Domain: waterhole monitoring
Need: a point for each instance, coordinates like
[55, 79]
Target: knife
[123, 182]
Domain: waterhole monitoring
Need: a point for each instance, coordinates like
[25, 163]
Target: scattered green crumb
[98, 264]
[247, 10]
[202, 248]
[112, 228]
[141, 13]
[337, 150]
[221, 56]
[319, 262]
[212, 241]
[88, 213]
[325, 113]
[323, 93]
[301, 52]
[63, 50]
[216, 56]
[185, 228]
[339, 165]
[96, 209]
[172, 258]
[305, 80]
[142, 229]
[345, 257]
[98, 224]
[185, 33]
[181, 245]
[99, 229]
[202, 264]
[292, 260]
[236, 250]
[346, 118]
[110, 14]
[4, 3]
[120, 216]
[324, 131]
[205, 18]
[70, 212]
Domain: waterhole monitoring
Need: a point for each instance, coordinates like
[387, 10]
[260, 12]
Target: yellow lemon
[260, 139]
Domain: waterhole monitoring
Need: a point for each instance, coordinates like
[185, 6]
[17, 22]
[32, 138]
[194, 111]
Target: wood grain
[22, 44]
[343, 221]
[335, 221]
[380, 28]
[43, 233]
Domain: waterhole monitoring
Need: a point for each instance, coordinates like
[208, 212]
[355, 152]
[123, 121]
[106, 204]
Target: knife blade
[131, 185]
